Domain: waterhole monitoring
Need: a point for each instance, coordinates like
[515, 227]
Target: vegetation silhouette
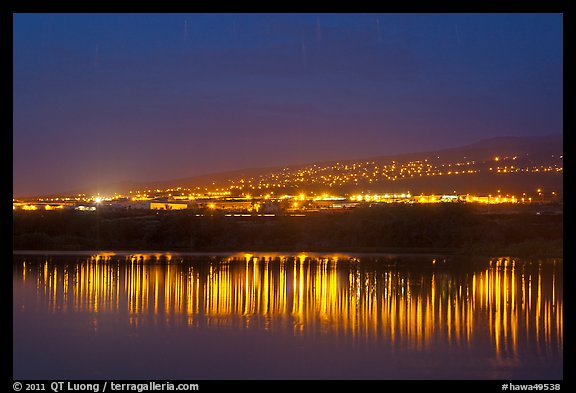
[455, 228]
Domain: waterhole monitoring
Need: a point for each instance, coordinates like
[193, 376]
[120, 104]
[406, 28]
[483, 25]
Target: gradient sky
[100, 98]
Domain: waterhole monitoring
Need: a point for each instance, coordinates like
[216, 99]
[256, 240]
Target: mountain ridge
[538, 147]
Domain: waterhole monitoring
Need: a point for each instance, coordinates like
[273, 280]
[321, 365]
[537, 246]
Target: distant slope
[538, 147]
[530, 150]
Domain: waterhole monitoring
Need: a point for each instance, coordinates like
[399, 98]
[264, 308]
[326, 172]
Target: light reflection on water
[510, 311]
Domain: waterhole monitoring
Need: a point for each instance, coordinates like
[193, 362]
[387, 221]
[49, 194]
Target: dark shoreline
[270, 253]
[229, 253]
[552, 251]
[449, 229]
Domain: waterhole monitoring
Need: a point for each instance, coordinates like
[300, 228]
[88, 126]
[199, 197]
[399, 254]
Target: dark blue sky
[100, 98]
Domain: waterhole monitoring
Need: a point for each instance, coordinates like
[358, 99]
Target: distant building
[168, 206]
[449, 198]
[234, 205]
[128, 204]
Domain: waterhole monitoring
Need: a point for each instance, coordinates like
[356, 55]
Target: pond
[273, 316]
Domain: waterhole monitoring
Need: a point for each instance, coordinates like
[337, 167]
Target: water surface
[268, 316]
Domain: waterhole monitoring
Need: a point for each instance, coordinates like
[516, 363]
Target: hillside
[512, 164]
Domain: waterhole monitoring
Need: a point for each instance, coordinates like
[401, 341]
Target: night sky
[101, 98]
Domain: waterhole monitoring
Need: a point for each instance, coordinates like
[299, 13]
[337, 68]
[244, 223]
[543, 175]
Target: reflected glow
[508, 303]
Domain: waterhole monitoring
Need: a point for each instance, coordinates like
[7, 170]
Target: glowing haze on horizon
[103, 98]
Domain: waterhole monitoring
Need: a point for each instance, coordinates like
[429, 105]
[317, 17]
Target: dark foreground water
[162, 316]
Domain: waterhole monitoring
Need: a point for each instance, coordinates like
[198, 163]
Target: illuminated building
[167, 206]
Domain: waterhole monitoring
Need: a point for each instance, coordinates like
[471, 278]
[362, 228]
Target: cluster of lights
[301, 201]
[366, 173]
[380, 197]
[354, 175]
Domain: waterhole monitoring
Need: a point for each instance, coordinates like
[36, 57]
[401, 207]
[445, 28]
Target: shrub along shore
[447, 228]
